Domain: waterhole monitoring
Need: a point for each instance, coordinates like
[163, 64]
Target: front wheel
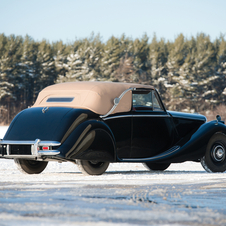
[215, 157]
[156, 166]
[30, 166]
[92, 167]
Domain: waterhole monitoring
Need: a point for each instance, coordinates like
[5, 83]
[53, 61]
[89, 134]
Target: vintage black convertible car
[96, 123]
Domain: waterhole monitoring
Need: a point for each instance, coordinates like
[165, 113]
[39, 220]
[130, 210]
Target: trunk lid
[37, 123]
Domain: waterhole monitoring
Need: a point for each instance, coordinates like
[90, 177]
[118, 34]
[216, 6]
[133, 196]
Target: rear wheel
[215, 157]
[156, 166]
[92, 167]
[30, 166]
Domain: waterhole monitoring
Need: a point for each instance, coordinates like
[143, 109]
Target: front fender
[190, 148]
[91, 140]
[195, 147]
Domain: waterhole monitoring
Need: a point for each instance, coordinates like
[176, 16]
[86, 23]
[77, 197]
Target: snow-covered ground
[127, 194]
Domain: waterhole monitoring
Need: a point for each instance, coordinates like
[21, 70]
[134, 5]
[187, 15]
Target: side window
[156, 105]
[146, 100]
[142, 100]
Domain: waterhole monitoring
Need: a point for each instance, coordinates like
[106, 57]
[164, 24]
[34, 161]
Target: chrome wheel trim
[218, 153]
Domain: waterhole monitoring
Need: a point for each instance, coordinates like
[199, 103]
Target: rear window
[60, 99]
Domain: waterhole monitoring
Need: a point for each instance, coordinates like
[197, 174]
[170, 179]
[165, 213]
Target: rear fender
[91, 140]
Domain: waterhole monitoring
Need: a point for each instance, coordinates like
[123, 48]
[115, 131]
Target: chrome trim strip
[40, 153]
[125, 116]
[157, 116]
[19, 156]
[51, 152]
[170, 151]
[7, 149]
[41, 143]
[34, 148]
[119, 116]
[49, 143]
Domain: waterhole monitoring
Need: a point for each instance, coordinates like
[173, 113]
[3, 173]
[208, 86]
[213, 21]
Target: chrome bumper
[34, 145]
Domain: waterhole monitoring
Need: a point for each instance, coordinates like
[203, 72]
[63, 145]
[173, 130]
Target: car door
[121, 127]
[152, 127]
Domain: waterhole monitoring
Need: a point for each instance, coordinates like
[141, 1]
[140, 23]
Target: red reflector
[45, 148]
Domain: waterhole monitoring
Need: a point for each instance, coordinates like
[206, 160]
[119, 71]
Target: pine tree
[3, 42]
[158, 58]
[203, 71]
[73, 67]
[176, 57]
[126, 45]
[177, 79]
[141, 62]
[110, 58]
[92, 55]
[220, 75]
[46, 71]
[125, 71]
[28, 71]
[9, 65]
[221, 57]
[158, 71]
[187, 74]
[61, 52]
[4, 85]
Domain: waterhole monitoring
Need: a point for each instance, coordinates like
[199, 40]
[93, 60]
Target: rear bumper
[27, 149]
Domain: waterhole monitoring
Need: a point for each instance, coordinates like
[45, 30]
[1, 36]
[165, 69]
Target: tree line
[189, 73]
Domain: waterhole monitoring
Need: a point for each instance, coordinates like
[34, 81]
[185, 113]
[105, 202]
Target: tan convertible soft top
[95, 96]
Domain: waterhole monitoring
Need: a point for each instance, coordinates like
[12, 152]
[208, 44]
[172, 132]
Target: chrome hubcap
[218, 153]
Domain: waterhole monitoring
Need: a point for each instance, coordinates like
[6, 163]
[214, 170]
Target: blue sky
[66, 20]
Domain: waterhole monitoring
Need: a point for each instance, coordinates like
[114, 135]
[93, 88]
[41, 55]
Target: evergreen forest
[189, 73]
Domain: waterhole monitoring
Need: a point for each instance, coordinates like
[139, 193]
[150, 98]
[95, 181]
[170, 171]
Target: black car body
[96, 123]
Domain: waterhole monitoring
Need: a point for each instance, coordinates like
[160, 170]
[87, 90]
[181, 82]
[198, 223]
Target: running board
[154, 158]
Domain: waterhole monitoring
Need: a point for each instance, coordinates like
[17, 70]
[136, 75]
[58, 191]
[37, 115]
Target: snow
[127, 194]
[3, 130]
